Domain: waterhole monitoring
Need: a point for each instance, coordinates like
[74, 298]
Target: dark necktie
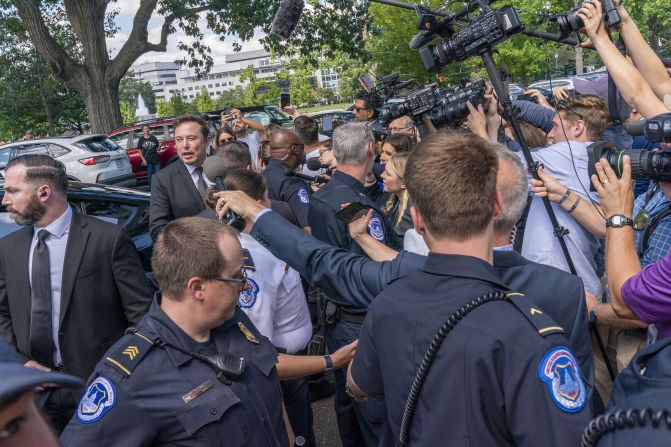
[41, 344]
[202, 186]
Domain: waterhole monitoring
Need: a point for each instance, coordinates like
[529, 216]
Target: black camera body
[484, 32]
[413, 103]
[645, 164]
[570, 22]
[451, 107]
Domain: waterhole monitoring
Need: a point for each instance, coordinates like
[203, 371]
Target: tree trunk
[101, 98]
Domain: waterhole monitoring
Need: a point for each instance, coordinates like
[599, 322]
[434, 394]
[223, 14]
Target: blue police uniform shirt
[170, 398]
[288, 189]
[495, 381]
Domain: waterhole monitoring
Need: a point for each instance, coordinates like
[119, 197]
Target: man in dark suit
[556, 292]
[180, 189]
[69, 284]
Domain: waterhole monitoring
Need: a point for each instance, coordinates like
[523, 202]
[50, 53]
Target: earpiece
[43, 194]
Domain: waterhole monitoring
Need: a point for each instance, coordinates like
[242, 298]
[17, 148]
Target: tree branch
[62, 65]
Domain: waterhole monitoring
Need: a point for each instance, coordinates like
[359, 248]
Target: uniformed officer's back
[493, 372]
[156, 385]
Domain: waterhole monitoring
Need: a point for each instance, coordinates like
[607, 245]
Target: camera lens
[650, 165]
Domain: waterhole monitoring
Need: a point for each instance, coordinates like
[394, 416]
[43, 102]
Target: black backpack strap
[651, 228]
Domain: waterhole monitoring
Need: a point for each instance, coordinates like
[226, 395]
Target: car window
[277, 113]
[57, 150]
[259, 116]
[7, 224]
[4, 156]
[158, 132]
[121, 139]
[25, 149]
[113, 212]
[98, 145]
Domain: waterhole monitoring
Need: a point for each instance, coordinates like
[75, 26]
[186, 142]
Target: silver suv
[87, 158]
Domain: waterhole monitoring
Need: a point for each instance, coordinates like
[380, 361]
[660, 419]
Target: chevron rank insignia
[124, 357]
[539, 319]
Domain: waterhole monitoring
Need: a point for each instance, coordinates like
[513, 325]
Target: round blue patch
[375, 229]
[98, 399]
[303, 196]
[561, 373]
[248, 296]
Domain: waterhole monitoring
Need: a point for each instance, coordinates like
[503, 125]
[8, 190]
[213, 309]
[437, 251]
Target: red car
[128, 136]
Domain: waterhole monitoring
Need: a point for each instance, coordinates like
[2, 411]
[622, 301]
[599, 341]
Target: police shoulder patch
[303, 196]
[248, 296]
[560, 372]
[376, 229]
[99, 398]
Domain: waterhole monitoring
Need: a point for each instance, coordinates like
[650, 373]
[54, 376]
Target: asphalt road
[325, 427]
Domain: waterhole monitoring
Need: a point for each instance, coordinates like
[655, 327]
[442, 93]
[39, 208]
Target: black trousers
[299, 408]
[58, 406]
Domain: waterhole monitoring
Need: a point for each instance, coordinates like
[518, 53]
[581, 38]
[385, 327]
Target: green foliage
[127, 112]
[257, 91]
[230, 98]
[176, 105]
[203, 102]
[130, 88]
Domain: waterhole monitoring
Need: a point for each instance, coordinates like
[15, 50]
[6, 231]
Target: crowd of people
[419, 266]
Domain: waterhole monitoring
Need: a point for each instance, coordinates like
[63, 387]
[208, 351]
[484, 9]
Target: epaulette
[248, 260]
[129, 354]
[543, 323]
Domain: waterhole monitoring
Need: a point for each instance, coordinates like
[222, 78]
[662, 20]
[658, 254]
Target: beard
[31, 215]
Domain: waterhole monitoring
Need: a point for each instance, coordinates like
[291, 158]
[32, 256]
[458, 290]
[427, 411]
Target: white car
[87, 158]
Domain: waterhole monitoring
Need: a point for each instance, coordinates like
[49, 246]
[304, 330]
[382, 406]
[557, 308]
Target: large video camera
[483, 32]
[443, 106]
[570, 22]
[645, 164]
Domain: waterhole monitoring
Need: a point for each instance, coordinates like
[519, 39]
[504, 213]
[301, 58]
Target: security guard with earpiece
[457, 359]
[195, 371]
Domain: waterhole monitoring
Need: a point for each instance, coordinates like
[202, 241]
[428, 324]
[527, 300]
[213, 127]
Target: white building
[167, 78]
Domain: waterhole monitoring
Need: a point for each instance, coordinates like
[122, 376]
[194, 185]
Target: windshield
[100, 144]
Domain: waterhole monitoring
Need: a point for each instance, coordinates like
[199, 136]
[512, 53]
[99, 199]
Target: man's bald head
[511, 182]
[286, 145]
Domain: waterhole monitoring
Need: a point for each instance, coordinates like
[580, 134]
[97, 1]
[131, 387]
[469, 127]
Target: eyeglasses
[359, 109]
[291, 146]
[240, 282]
[324, 151]
[394, 130]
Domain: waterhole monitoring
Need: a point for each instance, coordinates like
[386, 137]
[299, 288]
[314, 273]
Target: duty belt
[333, 313]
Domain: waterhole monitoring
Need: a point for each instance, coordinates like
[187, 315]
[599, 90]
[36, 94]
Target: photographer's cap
[16, 378]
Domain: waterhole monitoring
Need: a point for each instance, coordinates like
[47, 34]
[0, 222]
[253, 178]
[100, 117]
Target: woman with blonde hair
[398, 204]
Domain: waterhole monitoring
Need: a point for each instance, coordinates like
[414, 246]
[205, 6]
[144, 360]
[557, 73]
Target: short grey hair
[514, 192]
[350, 143]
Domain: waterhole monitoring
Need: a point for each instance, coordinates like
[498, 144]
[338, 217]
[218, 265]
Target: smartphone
[327, 124]
[285, 100]
[351, 212]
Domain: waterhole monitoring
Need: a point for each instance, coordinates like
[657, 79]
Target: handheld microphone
[215, 170]
[287, 17]
[309, 178]
[314, 164]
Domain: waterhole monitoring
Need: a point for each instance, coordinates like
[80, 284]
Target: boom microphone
[635, 128]
[314, 164]
[287, 17]
[215, 170]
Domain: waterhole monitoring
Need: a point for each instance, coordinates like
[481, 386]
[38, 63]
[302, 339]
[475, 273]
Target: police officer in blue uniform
[502, 375]
[353, 148]
[159, 385]
[286, 152]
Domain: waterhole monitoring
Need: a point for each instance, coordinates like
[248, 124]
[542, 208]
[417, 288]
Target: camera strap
[614, 97]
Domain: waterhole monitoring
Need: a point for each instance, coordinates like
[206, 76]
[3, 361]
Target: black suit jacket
[104, 290]
[173, 195]
[359, 279]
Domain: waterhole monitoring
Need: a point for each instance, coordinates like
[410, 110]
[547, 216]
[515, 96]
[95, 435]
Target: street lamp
[556, 60]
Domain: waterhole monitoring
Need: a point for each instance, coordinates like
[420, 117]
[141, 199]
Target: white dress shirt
[194, 175]
[57, 241]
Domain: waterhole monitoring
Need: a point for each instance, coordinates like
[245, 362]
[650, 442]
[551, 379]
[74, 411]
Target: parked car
[327, 118]
[87, 158]
[566, 83]
[121, 206]
[127, 137]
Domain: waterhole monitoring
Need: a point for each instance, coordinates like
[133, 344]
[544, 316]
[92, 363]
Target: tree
[130, 88]
[230, 98]
[176, 105]
[203, 102]
[257, 91]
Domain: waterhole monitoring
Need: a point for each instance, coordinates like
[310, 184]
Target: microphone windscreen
[419, 40]
[214, 167]
[287, 17]
[314, 164]
[635, 128]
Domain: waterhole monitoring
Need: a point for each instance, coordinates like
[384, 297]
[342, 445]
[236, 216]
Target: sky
[124, 20]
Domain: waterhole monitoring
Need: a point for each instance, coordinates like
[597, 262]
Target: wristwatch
[619, 221]
[592, 315]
